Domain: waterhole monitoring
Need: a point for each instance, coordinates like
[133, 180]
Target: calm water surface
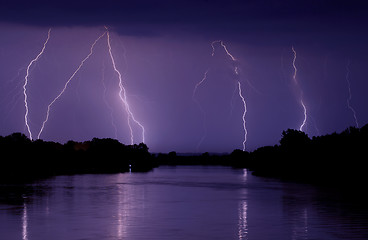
[178, 203]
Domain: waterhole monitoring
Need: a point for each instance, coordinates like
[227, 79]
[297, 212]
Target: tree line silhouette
[25, 160]
[337, 158]
[340, 159]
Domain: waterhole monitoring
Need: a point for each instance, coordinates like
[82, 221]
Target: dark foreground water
[177, 203]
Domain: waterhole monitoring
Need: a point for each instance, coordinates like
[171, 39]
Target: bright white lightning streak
[301, 92]
[123, 95]
[243, 117]
[26, 83]
[67, 83]
[236, 70]
[225, 48]
[350, 96]
[305, 115]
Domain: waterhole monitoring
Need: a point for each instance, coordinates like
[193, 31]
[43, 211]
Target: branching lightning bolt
[236, 71]
[26, 83]
[123, 95]
[350, 95]
[301, 92]
[66, 85]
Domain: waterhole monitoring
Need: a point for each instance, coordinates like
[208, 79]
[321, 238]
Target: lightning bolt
[26, 78]
[300, 91]
[201, 109]
[305, 115]
[294, 65]
[199, 83]
[123, 95]
[236, 71]
[243, 116]
[350, 95]
[66, 84]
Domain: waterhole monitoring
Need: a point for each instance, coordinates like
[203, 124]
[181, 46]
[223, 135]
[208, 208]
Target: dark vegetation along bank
[339, 158]
[336, 159]
[25, 160]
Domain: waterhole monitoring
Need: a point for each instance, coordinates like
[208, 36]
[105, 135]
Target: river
[177, 203]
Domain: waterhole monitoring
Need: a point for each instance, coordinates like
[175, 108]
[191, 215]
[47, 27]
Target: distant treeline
[337, 161]
[26, 160]
[338, 158]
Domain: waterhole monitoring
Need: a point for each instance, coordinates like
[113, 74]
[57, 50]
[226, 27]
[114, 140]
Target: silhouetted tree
[240, 159]
[292, 138]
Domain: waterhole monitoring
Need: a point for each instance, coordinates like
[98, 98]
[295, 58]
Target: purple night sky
[163, 49]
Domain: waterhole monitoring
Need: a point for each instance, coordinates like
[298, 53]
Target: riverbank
[336, 159]
[23, 160]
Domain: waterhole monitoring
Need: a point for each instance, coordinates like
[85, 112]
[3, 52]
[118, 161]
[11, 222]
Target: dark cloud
[232, 16]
